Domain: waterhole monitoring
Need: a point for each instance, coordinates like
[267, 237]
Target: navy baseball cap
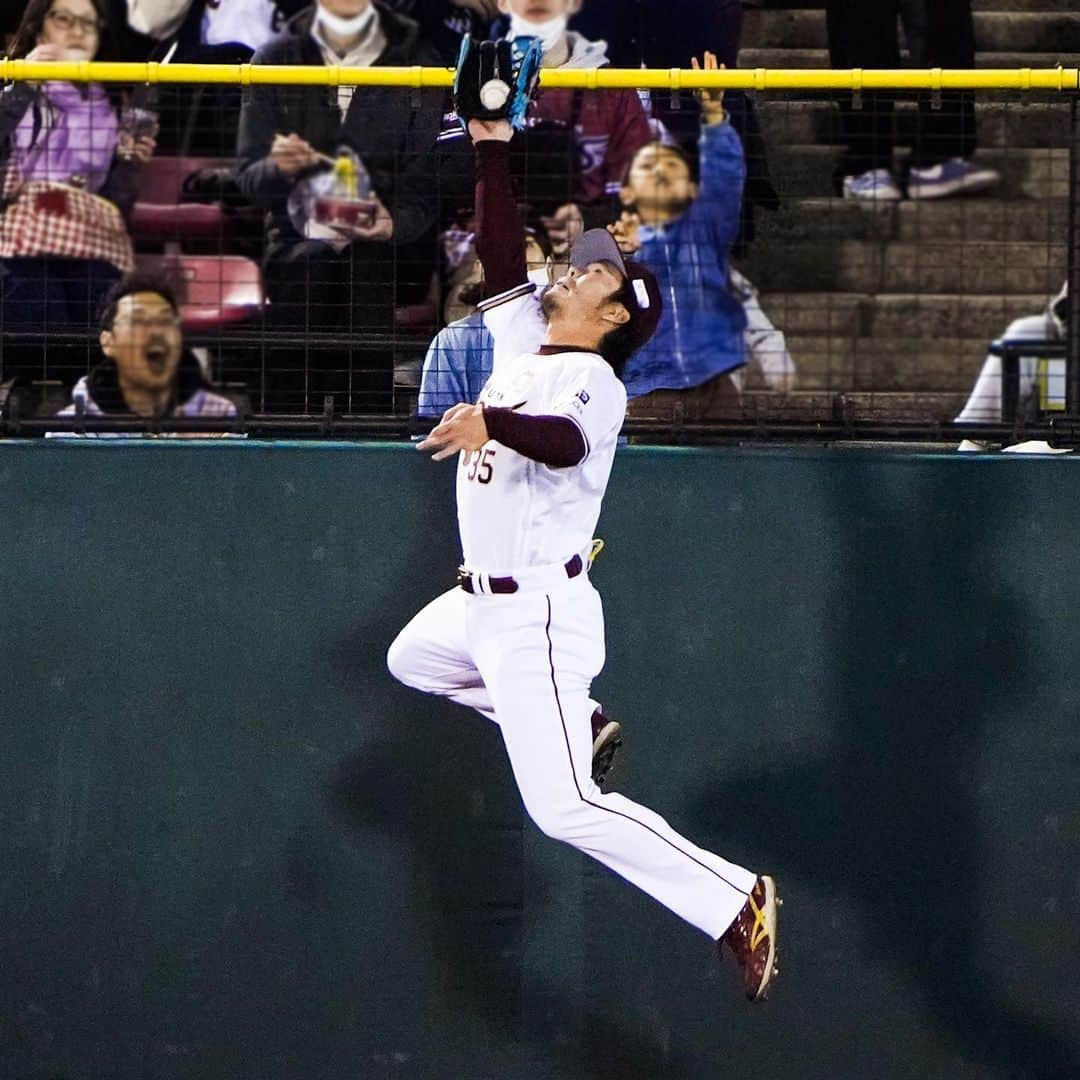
[640, 294]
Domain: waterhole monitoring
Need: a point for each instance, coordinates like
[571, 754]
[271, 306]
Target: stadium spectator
[1042, 382]
[662, 34]
[147, 371]
[195, 25]
[683, 229]
[764, 346]
[863, 34]
[459, 359]
[200, 119]
[443, 22]
[63, 144]
[323, 277]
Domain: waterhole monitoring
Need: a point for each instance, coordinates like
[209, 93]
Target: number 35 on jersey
[479, 464]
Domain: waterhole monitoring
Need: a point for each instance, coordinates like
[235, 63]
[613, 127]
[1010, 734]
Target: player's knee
[398, 661]
[568, 820]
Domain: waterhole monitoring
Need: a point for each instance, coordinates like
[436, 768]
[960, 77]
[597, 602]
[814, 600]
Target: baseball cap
[640, 294]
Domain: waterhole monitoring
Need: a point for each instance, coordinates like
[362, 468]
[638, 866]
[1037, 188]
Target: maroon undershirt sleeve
[552, 440]
[500, 234]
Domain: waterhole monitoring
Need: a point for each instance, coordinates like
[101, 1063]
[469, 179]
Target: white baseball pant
[526, 661]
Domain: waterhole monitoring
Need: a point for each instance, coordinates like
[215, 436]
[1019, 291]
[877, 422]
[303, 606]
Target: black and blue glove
[495, 79]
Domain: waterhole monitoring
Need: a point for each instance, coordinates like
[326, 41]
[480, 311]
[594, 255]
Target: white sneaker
[875, 185]
[957, 176]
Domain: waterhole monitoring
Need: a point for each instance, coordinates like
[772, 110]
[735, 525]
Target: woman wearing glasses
[69, 168]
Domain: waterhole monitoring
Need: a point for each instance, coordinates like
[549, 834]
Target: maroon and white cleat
[607, 738]
[752, 938]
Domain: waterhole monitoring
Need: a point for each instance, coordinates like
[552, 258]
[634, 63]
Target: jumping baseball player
[521, 637]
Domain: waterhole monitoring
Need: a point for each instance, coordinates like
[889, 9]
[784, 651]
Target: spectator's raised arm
[722, 165]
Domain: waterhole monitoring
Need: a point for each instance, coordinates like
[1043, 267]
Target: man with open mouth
[147, 371]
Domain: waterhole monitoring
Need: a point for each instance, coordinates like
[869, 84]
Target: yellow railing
[1059, 78]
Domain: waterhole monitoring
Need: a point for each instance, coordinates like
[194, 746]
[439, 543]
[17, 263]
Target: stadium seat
[161, 215]
[214, 291]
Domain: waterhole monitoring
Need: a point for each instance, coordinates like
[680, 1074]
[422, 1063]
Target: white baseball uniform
[526, 659]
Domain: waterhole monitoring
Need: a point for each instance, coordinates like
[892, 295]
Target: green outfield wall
[231, 848]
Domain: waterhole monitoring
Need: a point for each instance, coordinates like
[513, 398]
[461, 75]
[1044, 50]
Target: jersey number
[479, 465]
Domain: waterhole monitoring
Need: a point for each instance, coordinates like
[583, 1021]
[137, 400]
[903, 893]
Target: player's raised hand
[712, 101]
[461, 428]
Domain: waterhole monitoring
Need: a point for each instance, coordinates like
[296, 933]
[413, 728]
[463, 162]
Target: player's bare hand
[454, 410]
[292, 154]
[563, 227]
[712, 101]
[461, 428]
[490, 131]
[380, 229]
[625, 231]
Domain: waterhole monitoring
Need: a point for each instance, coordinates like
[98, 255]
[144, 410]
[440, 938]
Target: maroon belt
[507, 584]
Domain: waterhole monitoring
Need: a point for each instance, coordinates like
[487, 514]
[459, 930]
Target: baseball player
[521, 637]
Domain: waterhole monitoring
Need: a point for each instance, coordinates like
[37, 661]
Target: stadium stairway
[890, 307]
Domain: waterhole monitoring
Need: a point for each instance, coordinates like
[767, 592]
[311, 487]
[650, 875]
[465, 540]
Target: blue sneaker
[957, 176]
[875, 185]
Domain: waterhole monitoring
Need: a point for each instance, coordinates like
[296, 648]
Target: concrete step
[979, 268]
[826, 220]
[819, 58]
[802, 171]
[1038, 6]
[886, 364]
[822, 405]
[1021, 122]
[921, 317]
[995, 31]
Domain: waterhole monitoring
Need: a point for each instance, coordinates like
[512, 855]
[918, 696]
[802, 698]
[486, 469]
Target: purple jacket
[57, 133]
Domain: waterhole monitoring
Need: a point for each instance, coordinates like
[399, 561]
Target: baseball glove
[495, 79]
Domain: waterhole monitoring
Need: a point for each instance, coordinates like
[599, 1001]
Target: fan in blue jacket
[683, 229]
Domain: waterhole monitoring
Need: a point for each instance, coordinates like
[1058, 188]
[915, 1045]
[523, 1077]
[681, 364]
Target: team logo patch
[583, 397]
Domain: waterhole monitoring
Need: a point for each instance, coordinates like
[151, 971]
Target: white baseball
[493, 94]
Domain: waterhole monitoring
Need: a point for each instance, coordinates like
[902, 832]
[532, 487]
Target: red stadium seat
[159, 214]
[214, 291]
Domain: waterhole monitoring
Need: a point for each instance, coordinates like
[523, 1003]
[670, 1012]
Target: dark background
[233, 848]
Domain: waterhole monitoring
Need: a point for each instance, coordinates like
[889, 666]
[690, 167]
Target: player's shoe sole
[607, 738]
[752, 938]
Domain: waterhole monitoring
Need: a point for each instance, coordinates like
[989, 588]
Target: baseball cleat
[752, 938]
[607, 738]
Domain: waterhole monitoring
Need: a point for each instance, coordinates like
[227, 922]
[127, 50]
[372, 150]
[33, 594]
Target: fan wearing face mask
[69, 171]
[342, 276]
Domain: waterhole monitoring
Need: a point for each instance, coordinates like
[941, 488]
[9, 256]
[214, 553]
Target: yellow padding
[1058, 78]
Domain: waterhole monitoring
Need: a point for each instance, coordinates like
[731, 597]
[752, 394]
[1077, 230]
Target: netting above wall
[827, 255]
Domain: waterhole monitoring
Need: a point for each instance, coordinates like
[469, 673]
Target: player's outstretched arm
[500, 233]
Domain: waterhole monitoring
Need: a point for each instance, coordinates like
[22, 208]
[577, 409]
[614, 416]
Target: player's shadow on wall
[927, 648]
[419, 786]
[403, 788]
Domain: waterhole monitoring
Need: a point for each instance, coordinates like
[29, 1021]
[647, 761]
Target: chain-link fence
[885, 259]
